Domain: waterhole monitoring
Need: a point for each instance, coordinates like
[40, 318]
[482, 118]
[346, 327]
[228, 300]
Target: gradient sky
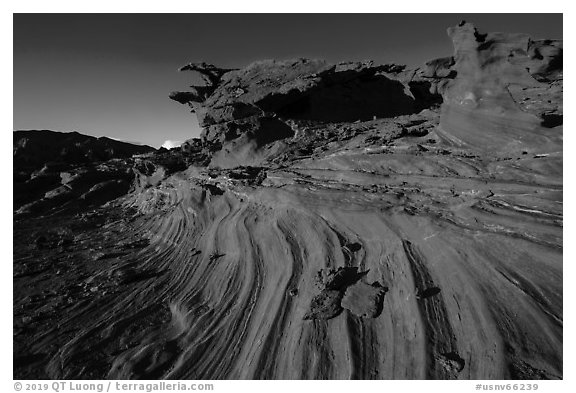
[110, 74]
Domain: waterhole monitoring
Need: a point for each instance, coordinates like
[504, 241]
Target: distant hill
[35, 148]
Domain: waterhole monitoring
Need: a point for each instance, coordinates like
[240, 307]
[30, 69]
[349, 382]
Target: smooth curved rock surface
[262, 271]
[222, 284]
[496, 74]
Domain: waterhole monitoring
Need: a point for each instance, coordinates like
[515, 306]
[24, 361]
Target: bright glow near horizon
[171, 144]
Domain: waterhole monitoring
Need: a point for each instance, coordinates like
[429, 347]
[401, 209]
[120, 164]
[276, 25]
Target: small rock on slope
[364, 300]
[325, 305]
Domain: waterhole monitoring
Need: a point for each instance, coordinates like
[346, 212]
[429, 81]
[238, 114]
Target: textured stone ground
[373, 249]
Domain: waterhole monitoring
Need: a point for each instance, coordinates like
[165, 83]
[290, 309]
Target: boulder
[325, 305]
[364, 300]
[341, 288]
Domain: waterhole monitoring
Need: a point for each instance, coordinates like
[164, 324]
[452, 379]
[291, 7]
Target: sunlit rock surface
[403, 246]
[507, 92]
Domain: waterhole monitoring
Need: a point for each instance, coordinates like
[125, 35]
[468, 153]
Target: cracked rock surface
[407, 230]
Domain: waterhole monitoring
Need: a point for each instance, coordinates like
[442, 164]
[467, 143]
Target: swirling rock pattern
[215, 282]
[387, 248]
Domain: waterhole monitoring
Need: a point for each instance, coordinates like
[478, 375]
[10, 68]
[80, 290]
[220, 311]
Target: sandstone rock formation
[506, 91]
[302, 238]
[258, 102]
[499, 91]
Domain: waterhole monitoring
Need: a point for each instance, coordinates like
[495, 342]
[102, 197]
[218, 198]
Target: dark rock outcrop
[85, 185]
[55, 170]
[256, 98]
[37, 149]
